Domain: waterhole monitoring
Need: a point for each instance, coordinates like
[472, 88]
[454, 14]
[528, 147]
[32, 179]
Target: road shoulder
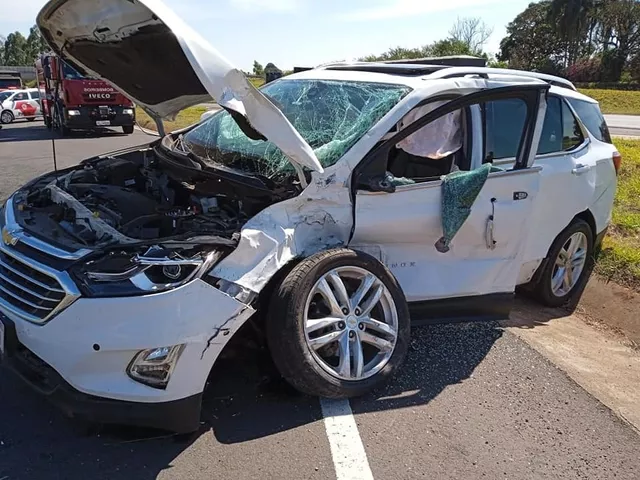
[594, 358]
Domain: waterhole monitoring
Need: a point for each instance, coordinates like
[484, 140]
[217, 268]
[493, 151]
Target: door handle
[488, 234]
[580, 169]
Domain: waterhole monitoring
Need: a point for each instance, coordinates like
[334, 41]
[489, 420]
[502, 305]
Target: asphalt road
[472, 401]
[624, 125]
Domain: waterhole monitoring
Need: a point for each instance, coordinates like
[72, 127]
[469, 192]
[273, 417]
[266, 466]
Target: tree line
[584, 40]
[16, 50]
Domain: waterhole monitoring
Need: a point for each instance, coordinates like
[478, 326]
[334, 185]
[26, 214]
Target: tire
[7, 117]
[47, 123]
[544, 290]
[127, 130]
[59, 123]
[31, 119]
[299, 364]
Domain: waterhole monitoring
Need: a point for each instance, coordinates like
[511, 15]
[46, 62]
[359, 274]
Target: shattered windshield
[330, 115]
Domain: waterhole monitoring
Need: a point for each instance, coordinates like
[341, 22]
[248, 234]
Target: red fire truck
[73, 101]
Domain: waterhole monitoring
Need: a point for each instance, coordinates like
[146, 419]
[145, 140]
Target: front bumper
[79, 358]
[91, 116]
[180, 416]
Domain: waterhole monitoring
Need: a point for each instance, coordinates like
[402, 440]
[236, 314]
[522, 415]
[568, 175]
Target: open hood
[150, 54]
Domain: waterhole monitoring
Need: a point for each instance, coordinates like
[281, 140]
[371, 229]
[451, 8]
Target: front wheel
[6, 117]
[568, 266]
[338, 324]
[127, 130]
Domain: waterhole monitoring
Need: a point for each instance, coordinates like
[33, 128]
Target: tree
[2, 40]
[472, 32]
[619, 36]
[397, 53]
[257, 68]
[573, 21]
[35, 44]
[441, 48]
[532, 42]
[15, 50]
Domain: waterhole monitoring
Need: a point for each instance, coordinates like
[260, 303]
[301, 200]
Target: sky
[310, 32]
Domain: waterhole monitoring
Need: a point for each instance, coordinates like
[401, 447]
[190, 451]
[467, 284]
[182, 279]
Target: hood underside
[150, 54]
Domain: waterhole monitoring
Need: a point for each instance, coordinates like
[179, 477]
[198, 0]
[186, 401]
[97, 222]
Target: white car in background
[20, 104]
[323, 208]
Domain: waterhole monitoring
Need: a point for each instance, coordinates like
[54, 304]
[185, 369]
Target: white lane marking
[347, 450]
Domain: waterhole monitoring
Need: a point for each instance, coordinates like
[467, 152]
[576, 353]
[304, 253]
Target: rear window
[592, 118]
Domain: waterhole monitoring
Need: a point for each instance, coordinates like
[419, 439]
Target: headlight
[127, 111]
[73, 113]
[123, 274]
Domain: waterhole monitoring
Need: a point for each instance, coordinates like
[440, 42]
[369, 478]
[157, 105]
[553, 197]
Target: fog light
[127, 111]
[153, 367]
[73, 113]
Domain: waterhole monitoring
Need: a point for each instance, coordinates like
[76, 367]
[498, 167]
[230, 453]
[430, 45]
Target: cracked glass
[330, 115]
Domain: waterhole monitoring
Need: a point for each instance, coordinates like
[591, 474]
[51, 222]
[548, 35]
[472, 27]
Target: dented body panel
[197, 315]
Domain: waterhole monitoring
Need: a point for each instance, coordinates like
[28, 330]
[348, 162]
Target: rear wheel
[31, 119]
[127, 130]
[6, 116]
[338, 324]
[568, 266]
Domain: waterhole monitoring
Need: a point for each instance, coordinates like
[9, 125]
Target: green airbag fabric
[459, 192]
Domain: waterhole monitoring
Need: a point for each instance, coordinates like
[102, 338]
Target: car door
[566, 166]
[402, 225]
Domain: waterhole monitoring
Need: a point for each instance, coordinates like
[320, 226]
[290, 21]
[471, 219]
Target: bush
[585, 70]
[634, 68]
[609, 85]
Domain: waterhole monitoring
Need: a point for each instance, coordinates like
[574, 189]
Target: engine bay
[129, 199]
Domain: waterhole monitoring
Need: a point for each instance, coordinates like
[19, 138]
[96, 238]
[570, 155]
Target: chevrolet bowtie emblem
[8, 237]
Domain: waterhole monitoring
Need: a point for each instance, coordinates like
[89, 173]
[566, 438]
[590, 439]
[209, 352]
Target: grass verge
[615, 101]
[620, 257]
[186, 117]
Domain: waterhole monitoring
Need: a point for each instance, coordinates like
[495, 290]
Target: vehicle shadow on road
[247, 401]
[439, 356]
[38, 132]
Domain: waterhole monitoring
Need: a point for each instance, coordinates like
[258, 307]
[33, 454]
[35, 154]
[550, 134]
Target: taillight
[617, 161]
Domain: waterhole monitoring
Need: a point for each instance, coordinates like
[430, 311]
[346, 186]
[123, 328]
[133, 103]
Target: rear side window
[571, 132]
[592, 118]
[504, 122]
[552, 128]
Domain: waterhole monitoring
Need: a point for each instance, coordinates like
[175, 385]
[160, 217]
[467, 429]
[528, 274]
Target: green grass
[620, 257]
[186, 117]
[257, 82]
[615, 101]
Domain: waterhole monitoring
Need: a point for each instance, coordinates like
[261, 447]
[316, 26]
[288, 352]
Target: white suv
[335, 208]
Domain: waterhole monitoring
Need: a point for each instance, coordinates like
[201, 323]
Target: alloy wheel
[351, 323]
[569, 264]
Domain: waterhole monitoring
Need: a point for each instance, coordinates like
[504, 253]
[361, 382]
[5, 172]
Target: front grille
[27, 289]
[98, 97]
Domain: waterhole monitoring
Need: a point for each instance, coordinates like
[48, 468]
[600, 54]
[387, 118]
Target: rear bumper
[180, 416]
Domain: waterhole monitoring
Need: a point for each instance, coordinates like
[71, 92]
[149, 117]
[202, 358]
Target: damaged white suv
[335, 207]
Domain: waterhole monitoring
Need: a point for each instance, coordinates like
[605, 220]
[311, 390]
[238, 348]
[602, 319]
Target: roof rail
[486, 71]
